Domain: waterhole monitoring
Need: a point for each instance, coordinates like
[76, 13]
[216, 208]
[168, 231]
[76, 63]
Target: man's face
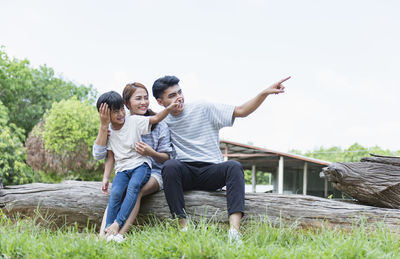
[117, 117]
[169, 96]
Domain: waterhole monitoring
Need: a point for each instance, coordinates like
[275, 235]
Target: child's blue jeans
[132, 181]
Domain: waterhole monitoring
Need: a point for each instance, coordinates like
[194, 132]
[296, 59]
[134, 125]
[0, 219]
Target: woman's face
[139, 102]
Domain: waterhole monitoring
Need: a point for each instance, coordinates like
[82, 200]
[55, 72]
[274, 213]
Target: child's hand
[104, 186]
[144, 149]
[104, 113]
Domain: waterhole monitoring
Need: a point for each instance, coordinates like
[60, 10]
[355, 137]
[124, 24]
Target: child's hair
[112, 99]
[129, 90]
[163, 83]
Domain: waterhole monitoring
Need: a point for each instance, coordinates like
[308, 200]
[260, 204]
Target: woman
[156, 145]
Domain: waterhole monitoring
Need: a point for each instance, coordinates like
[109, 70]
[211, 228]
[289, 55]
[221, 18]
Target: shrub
[62, 141]
[13, 169]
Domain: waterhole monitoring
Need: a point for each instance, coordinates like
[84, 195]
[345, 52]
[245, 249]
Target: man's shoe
[234, 237]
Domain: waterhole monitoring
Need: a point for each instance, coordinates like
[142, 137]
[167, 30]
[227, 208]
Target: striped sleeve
[221, 115]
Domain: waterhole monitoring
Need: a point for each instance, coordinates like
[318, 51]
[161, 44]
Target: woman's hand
[104, 186]
[144, 149]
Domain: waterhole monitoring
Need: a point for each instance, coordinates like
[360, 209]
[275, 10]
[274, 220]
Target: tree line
[48, 125]
[29, 96]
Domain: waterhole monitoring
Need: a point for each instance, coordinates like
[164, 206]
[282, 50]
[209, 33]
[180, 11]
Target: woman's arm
[108, 167]
[145, 150]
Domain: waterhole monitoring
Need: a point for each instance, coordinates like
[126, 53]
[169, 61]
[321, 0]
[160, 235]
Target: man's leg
[177, 177]
[229, 173]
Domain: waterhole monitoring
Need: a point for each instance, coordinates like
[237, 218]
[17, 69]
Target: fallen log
[389, 160]
[82, 202]
[374, 181]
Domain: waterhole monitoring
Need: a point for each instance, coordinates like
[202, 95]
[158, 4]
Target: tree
[13, 169]
[352, 154]
[28, 92]
[67, 134]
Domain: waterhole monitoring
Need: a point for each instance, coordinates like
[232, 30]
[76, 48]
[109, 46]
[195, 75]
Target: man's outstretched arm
[251, 105]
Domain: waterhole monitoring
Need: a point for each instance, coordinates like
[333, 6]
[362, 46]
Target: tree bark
[82, 202]
[374, 181]
[389, 160]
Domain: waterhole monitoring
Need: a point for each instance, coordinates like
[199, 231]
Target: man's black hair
[112, 99]
[163, 83]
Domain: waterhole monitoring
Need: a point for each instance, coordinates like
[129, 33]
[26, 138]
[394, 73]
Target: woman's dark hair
[129, 90]
[112, 99]
[163, 83]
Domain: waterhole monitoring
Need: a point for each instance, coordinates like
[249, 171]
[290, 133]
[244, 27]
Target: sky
[343, 56]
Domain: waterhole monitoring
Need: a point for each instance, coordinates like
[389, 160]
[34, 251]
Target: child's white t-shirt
[122, 142]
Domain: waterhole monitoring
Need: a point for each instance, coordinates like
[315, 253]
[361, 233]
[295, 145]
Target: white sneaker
[117, 238]
[234, 237]
[110, 238]
[184, 229]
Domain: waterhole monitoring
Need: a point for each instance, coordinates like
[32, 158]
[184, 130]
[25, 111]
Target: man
[199, 165]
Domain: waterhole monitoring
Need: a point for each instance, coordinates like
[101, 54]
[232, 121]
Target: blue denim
[132, 181]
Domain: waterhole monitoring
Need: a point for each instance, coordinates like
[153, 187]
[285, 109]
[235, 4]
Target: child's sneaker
[110, 238]
[119, 238]
[234, 237]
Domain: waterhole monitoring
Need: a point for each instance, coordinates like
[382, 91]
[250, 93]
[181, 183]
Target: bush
[261, 177]
[13, 169]
[63, 141]
[28, 92]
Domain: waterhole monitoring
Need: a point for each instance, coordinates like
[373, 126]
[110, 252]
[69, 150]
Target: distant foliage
[352, 154]
[13, 169]
[261, 177]
[28, 92]
[64, 140]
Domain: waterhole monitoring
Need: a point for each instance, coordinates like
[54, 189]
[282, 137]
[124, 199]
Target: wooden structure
[83, 203]
[292, 174]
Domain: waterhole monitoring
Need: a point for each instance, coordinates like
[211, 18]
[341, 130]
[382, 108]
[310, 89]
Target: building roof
[266, 159]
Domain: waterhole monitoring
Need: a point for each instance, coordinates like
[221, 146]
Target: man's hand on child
[104, 113]
[104, 186]
[143, 149]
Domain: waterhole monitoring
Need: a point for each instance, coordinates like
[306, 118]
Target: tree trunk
[374, 181]
[82, 202]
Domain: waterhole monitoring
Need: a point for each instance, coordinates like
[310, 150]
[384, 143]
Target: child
[133, 170]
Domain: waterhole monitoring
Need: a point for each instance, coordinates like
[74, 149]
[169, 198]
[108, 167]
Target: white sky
[343, 56]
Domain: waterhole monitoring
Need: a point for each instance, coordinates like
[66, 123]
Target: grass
[27, 238]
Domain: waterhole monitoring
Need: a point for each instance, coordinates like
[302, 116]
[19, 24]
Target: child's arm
[104, 113]
[145, 150]
[162, 114]
[108, 167]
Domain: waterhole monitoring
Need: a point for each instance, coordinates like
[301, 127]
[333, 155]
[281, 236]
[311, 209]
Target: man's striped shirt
[195, 132]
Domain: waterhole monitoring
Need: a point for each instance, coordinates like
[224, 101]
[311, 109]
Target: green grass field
[26, 238]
